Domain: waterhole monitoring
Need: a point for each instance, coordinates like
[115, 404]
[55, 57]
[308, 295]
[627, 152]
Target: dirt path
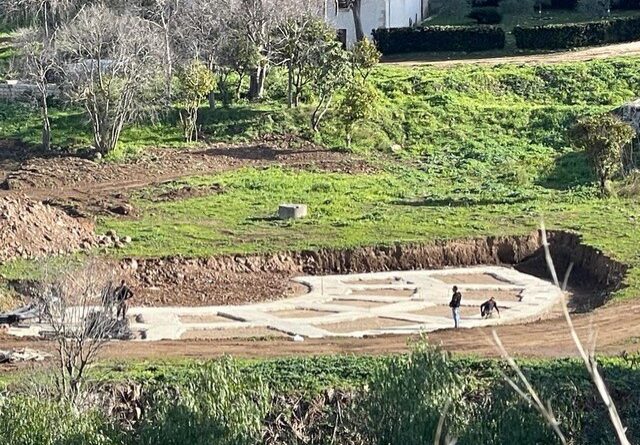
[86, 188]
[617, 328]
[599, 52]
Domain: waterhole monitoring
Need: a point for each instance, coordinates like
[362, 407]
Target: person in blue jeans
[454, 304]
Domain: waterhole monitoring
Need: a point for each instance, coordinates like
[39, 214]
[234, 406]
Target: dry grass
[630, 188]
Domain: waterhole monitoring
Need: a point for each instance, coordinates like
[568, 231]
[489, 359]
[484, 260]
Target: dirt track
[87, 188]
[617, 329]
[599, 52]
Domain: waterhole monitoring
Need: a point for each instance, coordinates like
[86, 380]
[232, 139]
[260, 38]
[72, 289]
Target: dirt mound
[30, 229]
[239, 279]
[199, 282]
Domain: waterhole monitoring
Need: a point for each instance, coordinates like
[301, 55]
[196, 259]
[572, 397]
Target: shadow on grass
[570, 170]
[462, 202]
[258, 152]
[233, 121]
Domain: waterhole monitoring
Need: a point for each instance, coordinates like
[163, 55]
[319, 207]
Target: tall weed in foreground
[220, 406]
[405, 399]
[32, 421]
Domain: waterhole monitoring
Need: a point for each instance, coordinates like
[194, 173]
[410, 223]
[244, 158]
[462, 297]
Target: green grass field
[485, 152]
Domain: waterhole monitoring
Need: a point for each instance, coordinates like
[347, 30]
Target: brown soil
[213, 334]
[29, 229]
[616, 325]
[86, 188]
[236, 279]
[204, 319]
[300, 313]
[476, 278]
[445, 311]
[162, 194]
[364, 324]
[399, 293]
[202, 282]
[358, 303]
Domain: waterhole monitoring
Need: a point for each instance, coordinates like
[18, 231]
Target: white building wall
[373, 14]
[404, 13]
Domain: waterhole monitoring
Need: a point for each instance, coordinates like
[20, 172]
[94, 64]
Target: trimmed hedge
[571, 35]
[439, 38]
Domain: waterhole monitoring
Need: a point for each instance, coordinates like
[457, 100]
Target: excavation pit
[410, 286]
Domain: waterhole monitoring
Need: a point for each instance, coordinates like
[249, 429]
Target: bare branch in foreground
[529, 394]
[78, 308]
[589, 359]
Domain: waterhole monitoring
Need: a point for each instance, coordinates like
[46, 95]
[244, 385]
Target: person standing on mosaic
[454, 304]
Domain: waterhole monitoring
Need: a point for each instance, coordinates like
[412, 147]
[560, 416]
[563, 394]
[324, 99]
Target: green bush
[486, 16]
[406, 398]
[32, 421]
[439, 38]
[571, 35]
[218, 406]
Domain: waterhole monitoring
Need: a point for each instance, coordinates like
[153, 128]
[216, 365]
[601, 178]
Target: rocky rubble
[22, 355]
[111, 239]
[30, 229]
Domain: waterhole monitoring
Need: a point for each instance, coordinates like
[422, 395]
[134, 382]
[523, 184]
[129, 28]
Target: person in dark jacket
[487, 308]
[454, 304]
[122, 294]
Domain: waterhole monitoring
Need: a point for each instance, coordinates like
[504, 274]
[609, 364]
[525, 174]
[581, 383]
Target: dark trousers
[122, 309]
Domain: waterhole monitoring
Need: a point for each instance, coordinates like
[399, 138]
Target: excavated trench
[239, 279]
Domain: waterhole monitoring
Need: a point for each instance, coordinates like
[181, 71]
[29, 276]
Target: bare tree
[36, 63]
[49, 14]
[299, 40]
[330, 72]
[77, 307]
[257, 20]
[164, 15]
[202, 33]
[110, 62]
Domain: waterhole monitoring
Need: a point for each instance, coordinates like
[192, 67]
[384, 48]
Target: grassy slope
[485, 153]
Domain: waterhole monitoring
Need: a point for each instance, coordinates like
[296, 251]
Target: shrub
[602, 138]
[630, 187]
[31, 421]
[484, 3]
[572, 35]
[219, 406]
[406, 398]
[486, 16]
[439, 38]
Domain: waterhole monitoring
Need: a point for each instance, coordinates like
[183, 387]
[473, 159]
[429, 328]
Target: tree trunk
[254, 82]
[257, 81]
[169, 66]
[46, 126]
[212, 100]
[290, 85]
[357, 19]
[319, 112]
